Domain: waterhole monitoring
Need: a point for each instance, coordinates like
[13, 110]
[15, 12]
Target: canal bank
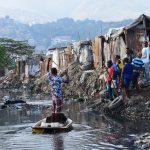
[87, 86]
[90, 130]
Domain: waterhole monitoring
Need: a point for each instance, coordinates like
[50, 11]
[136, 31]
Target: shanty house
[61, 57]
[98, 51]
[117, 39]
[137, 32]
[83, 54]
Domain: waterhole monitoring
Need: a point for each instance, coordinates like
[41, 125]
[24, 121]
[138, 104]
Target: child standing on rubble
[110, 72]
[119, 62]
[56, 91]
[126, 78]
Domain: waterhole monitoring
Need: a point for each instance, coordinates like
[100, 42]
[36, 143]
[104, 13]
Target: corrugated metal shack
[117, 39]
[114, 44]
[137, 32]
[61, 57]
[20, 66]
[66, 56]
[27, 66]
[32, 67]
[98, 51]
[83, 54]
[106, 47]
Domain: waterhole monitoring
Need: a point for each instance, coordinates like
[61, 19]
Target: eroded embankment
[87, 86]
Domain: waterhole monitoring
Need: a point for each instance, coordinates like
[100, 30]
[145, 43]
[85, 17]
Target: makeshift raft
[55, 123]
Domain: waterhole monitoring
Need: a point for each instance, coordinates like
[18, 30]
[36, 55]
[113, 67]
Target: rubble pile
[10, 82]
[139, 105]
[87, 85]
[41, 85]
[143, 142]
[82, 83]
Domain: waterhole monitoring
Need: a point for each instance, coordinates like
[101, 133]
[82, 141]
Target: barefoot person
[110, 72]
[126, 79]
[56, 91]
[138, 67]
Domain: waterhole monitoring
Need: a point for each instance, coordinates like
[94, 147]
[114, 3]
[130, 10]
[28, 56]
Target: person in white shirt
[144, 53]
[146, 59]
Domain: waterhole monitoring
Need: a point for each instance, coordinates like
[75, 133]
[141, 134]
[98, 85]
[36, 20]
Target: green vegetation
[5, 59]
[10, 49]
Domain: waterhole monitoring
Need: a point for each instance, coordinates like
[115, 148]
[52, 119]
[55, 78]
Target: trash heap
[82, 83]
[88, 86]
[143, 142]
[139, 105]
[10, 82]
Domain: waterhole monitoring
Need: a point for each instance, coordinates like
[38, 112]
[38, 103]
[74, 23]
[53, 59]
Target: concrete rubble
[143, 142]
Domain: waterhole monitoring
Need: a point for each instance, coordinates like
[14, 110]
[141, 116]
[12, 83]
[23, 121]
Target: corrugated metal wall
[98, 54]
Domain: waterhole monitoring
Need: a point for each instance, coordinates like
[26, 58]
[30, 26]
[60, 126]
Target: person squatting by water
[56, 91]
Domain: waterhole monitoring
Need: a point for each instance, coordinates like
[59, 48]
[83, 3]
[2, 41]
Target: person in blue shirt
[56, 91]
[116, 76]
[126, 77]
[138, 66]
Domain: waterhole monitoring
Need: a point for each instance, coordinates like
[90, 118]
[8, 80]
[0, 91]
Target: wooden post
[144, 24]
[126, 41]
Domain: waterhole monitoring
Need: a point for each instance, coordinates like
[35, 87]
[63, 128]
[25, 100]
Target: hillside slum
[85, 63]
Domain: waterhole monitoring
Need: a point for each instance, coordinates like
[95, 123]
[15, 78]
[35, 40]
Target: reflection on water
[91, 131]
[58, 142]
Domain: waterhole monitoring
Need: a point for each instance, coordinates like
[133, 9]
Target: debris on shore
[87, 85]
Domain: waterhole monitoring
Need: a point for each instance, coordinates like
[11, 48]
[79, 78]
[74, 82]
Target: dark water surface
[91, 131]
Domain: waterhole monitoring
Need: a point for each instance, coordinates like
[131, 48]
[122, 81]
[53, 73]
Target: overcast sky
[106, 10]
